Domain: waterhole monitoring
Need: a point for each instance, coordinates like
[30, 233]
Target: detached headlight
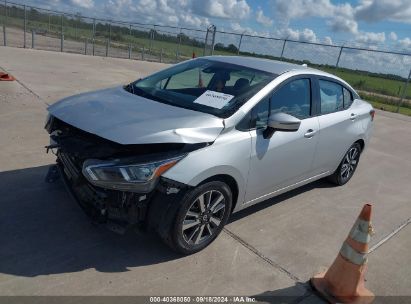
[127, 177]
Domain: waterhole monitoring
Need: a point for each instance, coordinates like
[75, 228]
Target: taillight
[372, 114]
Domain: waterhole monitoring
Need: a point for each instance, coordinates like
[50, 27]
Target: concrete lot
[49, 247]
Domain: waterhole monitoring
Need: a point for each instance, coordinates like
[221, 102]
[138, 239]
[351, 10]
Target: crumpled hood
[125, 118]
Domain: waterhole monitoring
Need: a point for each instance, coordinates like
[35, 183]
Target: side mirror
[281, 122]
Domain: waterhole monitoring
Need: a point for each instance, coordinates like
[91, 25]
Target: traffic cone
[6, 77]
[343, 282]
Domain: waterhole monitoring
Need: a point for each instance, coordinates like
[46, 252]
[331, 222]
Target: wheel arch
[362, 143]
[230, 181]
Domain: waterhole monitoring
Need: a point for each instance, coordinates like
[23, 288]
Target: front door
[286, 158]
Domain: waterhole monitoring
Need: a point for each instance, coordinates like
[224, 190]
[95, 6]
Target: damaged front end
[118, 185]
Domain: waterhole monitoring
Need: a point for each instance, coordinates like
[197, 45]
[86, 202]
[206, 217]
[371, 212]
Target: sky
[380, 23]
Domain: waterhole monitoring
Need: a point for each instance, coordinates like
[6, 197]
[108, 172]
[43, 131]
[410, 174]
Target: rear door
[336, 119]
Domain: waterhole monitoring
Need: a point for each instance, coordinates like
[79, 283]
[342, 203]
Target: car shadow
[43, 231]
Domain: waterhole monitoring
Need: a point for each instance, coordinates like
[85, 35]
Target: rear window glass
[332, 99]
[347, 98]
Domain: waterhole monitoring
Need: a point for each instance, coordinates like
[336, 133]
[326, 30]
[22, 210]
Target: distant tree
[219, 47]
[232, 48]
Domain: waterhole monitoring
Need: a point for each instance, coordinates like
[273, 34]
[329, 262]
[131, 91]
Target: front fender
[228, 155]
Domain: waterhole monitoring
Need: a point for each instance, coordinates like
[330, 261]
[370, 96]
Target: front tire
[348, 165]
[203, 213]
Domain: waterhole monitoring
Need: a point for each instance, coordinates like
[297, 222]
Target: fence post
[239, 44]
[161, 55]
[282, 51]
[33, 35]
[129, 45]
[178, 46]
[25, 26]
[205, 43]
[213, 41]
[339, 56]
[107, 42]
[404, 92]
[62, 34]
[94, 33]
[109, 38]
[142, 53]
[85, 46]
[4, 24]
[151, 40]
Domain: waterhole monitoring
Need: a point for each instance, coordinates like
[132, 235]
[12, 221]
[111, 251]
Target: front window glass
[259, 117]
[204, 85]
[293, 98]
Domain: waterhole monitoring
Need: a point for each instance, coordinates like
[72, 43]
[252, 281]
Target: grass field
[370, 83]
[386, 104]
[390, 108]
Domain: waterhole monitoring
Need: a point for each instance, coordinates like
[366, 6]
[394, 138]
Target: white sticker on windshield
[214, 99]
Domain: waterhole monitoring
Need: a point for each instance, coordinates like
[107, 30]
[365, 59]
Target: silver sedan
[182, 149]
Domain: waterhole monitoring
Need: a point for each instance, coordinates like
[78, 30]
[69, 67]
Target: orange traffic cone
[6, 77]
[344, 280]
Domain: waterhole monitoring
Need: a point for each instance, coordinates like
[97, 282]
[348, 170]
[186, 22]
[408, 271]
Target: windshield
[203, 85]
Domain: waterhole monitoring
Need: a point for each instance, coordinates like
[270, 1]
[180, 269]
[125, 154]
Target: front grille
[79, 184]
[101, 204]
[71, 168]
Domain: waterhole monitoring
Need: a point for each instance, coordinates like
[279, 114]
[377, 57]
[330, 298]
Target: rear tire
[347, 167]
[202, 215]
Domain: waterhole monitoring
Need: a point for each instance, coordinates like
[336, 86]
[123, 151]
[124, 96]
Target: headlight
[126, 177]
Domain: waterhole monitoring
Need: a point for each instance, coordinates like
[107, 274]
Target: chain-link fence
[373, 71]
[32, 27]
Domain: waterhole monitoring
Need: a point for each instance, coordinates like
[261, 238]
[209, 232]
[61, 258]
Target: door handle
[310, 133]
[353, 116]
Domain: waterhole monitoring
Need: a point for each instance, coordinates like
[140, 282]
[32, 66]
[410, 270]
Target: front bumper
[119, 210]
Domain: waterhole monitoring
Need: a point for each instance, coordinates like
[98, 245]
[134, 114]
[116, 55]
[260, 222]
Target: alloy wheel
[349, 163]
[203, 217]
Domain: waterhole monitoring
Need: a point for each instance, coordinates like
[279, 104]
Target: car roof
[274, 66]
[267, 65]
